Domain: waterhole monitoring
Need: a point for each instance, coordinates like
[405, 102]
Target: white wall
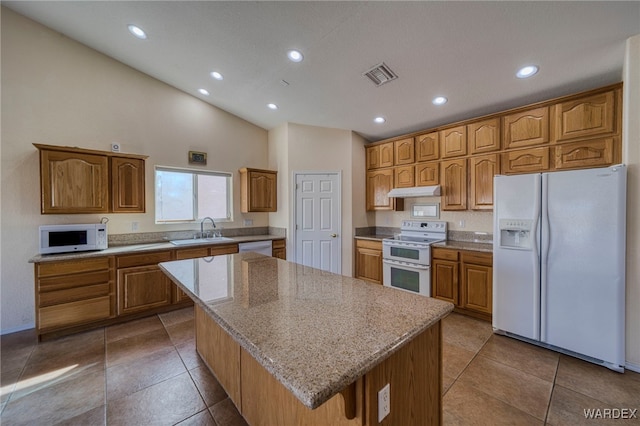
[59, 92]
[631, 156]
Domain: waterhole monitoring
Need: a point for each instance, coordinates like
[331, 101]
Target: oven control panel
[418, 225]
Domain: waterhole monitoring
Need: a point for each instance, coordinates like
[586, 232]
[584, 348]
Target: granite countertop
[465, 245]
[314, 331]
[148, 247]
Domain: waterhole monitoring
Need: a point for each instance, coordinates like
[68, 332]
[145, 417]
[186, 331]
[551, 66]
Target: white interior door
[317, 220]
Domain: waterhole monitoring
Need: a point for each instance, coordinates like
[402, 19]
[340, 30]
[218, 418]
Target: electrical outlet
[384, 402]
[462, 223]
[248, 222]
[134, 226]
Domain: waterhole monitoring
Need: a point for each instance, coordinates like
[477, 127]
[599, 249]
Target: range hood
[416, 191]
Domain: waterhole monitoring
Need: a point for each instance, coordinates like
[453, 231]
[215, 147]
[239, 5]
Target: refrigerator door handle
[545, 242]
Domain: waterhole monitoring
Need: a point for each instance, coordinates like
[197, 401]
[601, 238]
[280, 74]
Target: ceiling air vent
[381, 74]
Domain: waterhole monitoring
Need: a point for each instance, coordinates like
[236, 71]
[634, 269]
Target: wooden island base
[414, 373]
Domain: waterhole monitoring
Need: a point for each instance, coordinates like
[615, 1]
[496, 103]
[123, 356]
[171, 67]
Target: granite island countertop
[314, 331]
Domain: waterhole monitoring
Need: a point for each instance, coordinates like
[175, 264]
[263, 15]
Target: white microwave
[72, 238]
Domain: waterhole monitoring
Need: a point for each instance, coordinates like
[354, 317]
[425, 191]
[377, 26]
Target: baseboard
[632, 367]
[19, 328]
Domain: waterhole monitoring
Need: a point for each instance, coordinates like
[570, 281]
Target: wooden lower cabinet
[142, 288]
[369, 261]
[464, 278]
[279, 249]
[74, 293]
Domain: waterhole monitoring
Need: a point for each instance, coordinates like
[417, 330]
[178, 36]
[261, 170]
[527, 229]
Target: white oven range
[406, 258]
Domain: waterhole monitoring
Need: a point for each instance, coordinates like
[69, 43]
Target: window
[184, 195]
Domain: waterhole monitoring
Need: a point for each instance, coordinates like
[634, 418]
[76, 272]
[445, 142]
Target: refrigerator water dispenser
[516, 233]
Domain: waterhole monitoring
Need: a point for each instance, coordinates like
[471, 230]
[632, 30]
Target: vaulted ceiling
[468, 52]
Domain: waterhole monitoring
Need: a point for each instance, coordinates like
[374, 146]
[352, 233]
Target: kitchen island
[295, 345]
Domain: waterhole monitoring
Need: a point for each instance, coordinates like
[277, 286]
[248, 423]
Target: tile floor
[146, 372]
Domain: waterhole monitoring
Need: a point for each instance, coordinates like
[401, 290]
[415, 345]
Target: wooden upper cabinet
[72, 182]
[579, 155]
[482, 169]
[530, 160]
[454, 142]
[76, 180]
[454, 184]
[127, 185]
[379, 156]
[484, 136]
[379, 183]
[427, 147]
[427, 174]
[258, 190]
[403, 177]
[526, 128]
[590, 116]
[404, 152]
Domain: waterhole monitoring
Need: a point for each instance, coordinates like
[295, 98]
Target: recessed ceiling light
[295, 56]
[272, 106]
[379, 120]
[527, 71]
[204, 92]
[137, 31]
[439, 100]
[216, 75]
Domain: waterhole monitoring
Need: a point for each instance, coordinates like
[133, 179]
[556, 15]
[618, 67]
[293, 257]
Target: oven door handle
[410, 265]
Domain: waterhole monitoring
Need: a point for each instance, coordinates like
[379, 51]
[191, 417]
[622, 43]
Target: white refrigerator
[559, 261]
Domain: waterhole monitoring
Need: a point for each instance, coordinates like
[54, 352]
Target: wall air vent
[381, 74]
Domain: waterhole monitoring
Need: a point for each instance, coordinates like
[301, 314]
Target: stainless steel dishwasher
[262, 247]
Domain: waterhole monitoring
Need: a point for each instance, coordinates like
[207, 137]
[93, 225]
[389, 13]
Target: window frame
[194, 197]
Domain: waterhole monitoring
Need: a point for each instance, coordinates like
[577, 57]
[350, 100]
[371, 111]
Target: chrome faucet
[202, 226]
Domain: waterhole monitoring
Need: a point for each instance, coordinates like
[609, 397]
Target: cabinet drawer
[192, 253]
[478, 258]
[74, 294]
[224, 249]
[72, 267]
[79, 312]
[445, 254]
[143, 259]
[278, 244]
[72, 281]
[373, 245]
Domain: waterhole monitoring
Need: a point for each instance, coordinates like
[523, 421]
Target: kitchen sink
[195, 241]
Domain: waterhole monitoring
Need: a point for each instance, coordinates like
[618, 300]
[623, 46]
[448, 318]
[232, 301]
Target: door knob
[334, 235]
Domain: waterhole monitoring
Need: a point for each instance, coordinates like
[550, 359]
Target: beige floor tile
[56, 403]
[95, 417]
[226, 414]
[189, 355]
[465, 405]
[465, 332]
[176, 317]
[8, 382]
[182, 332]
[131, 348]
[203, 418]
[132, 328]
[524, 391]
[210, 390]
[523, 356]
[15, 349]
[455, 359]
[63, 359]
[165, 403]
[619, 390]
[568, 408]
[127, 378]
